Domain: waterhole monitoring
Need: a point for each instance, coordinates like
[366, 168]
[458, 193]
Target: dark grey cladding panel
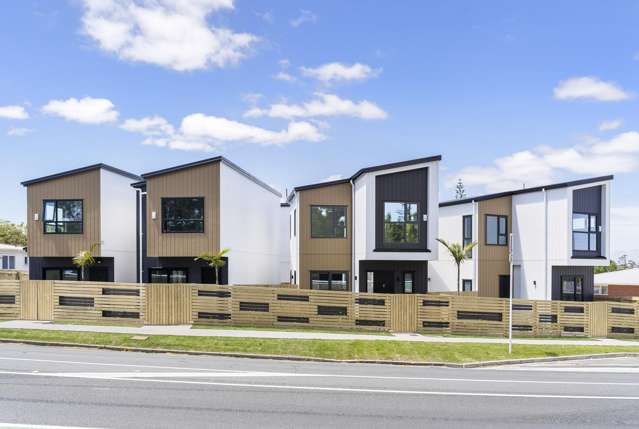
[586, 272]
[587, 200]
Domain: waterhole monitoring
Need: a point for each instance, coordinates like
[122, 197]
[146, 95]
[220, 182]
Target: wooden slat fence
[168, 304]
[9, 299]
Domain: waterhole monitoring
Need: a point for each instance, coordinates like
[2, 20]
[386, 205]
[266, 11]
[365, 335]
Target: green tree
[215, 261]
[459, 254]
[85, 259]
[610, 267]
[13, 234]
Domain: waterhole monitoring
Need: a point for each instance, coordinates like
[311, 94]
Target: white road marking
[16, 425]
[336, 389]
[588, 369]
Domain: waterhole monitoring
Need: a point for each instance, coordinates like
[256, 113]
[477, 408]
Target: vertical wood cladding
[492, 260]
[200, 181]
[319, 254]
[406, 186]
[83, 186]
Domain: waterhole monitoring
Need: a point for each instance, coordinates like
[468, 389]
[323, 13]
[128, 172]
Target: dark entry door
[208, 275]
[384, 282]
[504, 286]
[98, 274]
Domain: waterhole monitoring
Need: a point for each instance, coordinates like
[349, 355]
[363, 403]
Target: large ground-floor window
[168, 275]
[572, 288]
[71, 274]
[329, 280]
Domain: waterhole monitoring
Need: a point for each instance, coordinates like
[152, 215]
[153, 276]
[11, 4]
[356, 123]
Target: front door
[383, 281]
[504, 286]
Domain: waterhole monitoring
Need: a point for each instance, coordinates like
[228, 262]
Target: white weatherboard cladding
[117, 224]
[19, 255]
[284, 245]
[443, 272]
[250, 227]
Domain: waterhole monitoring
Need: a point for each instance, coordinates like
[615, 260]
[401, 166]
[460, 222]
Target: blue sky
[509, 93]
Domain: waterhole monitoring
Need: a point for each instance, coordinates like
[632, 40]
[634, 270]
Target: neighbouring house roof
[10, 247]
[364, 171]
[205, 162]
[82, 170]
[628, 277]
[526, 190]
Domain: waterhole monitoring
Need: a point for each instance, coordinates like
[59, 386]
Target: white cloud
[323, 105]
[284, 76]
[86, 110]
[13, 112]
[612, 124]
[334, 72]
[149, 126]
[18, 132]
[304, 17]
[589, 87]
[543, 164]
[332, 178]
[267, 16]
[252, 98]
[169, 33]
[201, 132]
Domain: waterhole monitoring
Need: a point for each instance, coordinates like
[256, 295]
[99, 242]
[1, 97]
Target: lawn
[294, 329]
[331, 349]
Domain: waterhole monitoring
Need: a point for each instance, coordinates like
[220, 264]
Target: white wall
[284, 244]
[443, 272]
[250, 227]
[117, 224]
[18, 254]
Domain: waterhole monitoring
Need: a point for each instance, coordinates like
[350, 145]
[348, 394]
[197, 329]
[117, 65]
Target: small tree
[459, 254]
[215, 261]
[13, 234]
[85, 259]
[460, 190]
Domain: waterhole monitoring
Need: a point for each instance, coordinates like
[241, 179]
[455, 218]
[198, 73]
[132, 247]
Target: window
[370, 281]
[401, 222]
[328, 221]
[585, 232]
[168, 275]
[467, 233]
[601, 290]
[408, 281]
[69, 274]
[327, 280]
[8, 263]
[497, 230]
[26, 260]
[467, 285]
[63, 216]
[183, 214]
[572, 288]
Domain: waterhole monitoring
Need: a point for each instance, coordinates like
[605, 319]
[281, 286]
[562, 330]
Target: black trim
[213, 316]
[82, 170]
[547, 318]
[7, 299]
[479, 315]
[435, 303]
[522, 307]
[214, 293]
[370, 301]
[435, 324]
[573, 329]
[499, 235]
[364, 322]
[163, 220]
[588, 257]
[383, 249]
[330, 310]
[573, 309]
[621, 330]
[285, 297]
[120, 292]
[292, 319]
[76, 301]
[526, 190]
[121, 314]
[56, 222]
[622, 310]
[254, 306]
[522, 328]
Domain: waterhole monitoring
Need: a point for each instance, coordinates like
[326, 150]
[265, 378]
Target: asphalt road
[94, 388]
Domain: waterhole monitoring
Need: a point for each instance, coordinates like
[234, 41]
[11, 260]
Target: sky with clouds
[511, 94]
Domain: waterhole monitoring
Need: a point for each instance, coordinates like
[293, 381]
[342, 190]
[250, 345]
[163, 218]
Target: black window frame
[164, 220]
[56, 222]
[467, 281]
[574, 294]
[467, 235]
[335, 217]
[60, 270]
[415, 222]
[413, 274]
[499, 234]
[168, 274]
[330, 281]
[588, 233]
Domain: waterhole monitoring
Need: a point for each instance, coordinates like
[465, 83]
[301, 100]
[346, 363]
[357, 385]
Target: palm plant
[84, 259]
[215, 261]
[459, 254]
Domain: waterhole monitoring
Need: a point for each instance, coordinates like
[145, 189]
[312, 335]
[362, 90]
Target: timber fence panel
[433, 314]
[479, 316]
[252, 306]
[372, 310]
[168, 304]
[622, 319]
[574, 318]
[524, 317]
[211, 304]
[98, 301]
[404, 313]
[10, 308]
[332, 309]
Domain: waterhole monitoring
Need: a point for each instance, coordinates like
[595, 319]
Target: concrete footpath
[185, 330]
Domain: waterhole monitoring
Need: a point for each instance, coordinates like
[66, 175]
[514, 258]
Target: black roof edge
[211, 161]
[139, 185]
[82, 170]
[366, 170]
[527, 190]
[285, 205]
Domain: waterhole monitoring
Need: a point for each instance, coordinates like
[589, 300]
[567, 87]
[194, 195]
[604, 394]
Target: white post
[510, 299]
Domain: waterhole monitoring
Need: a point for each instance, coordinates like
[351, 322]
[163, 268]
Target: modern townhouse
[202, 207]
[372, 232]
[76, 210]
[548, 237]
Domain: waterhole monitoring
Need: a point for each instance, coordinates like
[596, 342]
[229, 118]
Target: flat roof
[210, 161]
[82, 170]
[526, 190]
[366, 170]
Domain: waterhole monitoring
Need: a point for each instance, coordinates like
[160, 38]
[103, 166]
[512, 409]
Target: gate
[404, 313]
[36, 300]
[168, 304]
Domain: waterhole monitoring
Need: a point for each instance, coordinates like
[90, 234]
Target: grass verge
[293, 329]
[330, 349]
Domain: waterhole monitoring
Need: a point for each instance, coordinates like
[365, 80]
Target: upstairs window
[183, 214]
[497, 230]
[63, 217]
[467, 233]
[401, 222]
[585, 232]
[328, 221]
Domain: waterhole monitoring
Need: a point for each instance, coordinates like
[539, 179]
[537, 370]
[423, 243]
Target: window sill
[401, 250]
[587, 257]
